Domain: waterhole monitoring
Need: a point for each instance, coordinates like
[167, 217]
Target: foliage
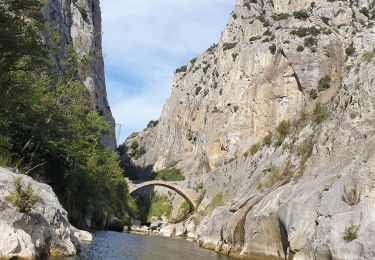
[268, 139]
[320, 113]
[352, 196]
[50, 126]
[273, 48]
[152, 123]
[300, 48]
[181, 69]
[313, 94]
[324, 83]
[301, 15]
[350, 50]
[24, 198]
[283, 128]
[254, 149]
[229, 45]
[198, 186]
[134, 145]
[282, 16]
[303, 32]
[153, 206]
[170, 174]
[233, 158]
[368, 56]
[217, 201]
[310, 41]
[351, 233]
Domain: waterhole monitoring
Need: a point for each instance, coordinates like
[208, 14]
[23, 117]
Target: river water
[114, 245]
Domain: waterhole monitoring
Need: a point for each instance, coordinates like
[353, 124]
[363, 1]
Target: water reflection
[113, 245]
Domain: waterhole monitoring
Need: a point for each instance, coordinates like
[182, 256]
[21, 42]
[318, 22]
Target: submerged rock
[45, 231]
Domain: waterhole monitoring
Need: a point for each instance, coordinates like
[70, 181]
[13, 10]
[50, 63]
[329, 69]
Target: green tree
[49, 126]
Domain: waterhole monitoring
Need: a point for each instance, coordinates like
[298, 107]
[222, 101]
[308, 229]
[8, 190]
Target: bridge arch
[189, 195]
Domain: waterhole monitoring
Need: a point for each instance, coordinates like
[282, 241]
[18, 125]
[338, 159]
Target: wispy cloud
[144, 42]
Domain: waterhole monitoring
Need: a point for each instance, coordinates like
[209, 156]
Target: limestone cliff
[43, 232]
[231, 96]
[79, 24]
[306, 191]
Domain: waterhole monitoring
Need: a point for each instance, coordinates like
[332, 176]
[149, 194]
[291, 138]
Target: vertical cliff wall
[264, 70]
[79, 24]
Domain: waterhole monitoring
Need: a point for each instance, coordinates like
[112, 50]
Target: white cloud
[144, 41]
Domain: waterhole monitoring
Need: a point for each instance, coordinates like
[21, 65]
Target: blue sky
[144, 42]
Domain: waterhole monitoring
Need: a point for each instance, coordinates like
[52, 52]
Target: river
[124, 246]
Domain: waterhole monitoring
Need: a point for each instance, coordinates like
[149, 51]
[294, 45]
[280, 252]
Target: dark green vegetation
[351, 233]
[50, 127]
[170, 174]
[153, 206]
[324, 83]
[24, 198]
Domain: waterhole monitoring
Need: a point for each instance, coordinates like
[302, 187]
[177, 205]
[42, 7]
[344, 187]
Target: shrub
[313, 94]
[310, 41]
[324, 83]
[273, 178]
[300, 48]
[229, 45]
[368, 56]
[351, 196]
[350, 50]
[217, 201]
[152, 123]
[283, 128]
[254, 149]
[303, 32]
[301, 15]
[134, 145]
[351, 233]
[268, 139]
[139, 152]
[305, 149]
[273, 48]
[319, 113]
[282, 16]
[365, 12]
[160, 206]
[170, 174]
[198, 186]
[24, 198]
[181, 69]
[233, 158]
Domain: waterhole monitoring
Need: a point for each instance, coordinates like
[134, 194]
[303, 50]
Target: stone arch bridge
[189, 195]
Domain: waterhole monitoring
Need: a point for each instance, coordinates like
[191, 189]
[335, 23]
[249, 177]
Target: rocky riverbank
[45, 231]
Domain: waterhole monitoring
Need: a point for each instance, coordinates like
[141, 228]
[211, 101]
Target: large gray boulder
[45, 231]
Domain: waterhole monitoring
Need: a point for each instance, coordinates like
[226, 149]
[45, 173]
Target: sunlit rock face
[231, 96]
[310, 195]
[79, 24]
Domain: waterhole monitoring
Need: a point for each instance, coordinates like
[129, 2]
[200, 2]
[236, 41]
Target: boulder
[45, 231]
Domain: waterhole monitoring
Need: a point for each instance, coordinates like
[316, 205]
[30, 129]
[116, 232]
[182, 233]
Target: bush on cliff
[49, 126]
[170, 174]
[24, 198]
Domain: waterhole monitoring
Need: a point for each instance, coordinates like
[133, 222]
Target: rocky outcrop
[45, 231]
[307, 193]
[79, 25]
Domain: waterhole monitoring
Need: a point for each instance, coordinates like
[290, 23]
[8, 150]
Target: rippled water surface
[113, 245]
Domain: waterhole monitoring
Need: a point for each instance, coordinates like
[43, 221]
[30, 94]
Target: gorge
[268, 136]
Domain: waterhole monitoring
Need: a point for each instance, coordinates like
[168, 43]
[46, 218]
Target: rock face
[308, 193]
[79, 24]
[43, 232]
